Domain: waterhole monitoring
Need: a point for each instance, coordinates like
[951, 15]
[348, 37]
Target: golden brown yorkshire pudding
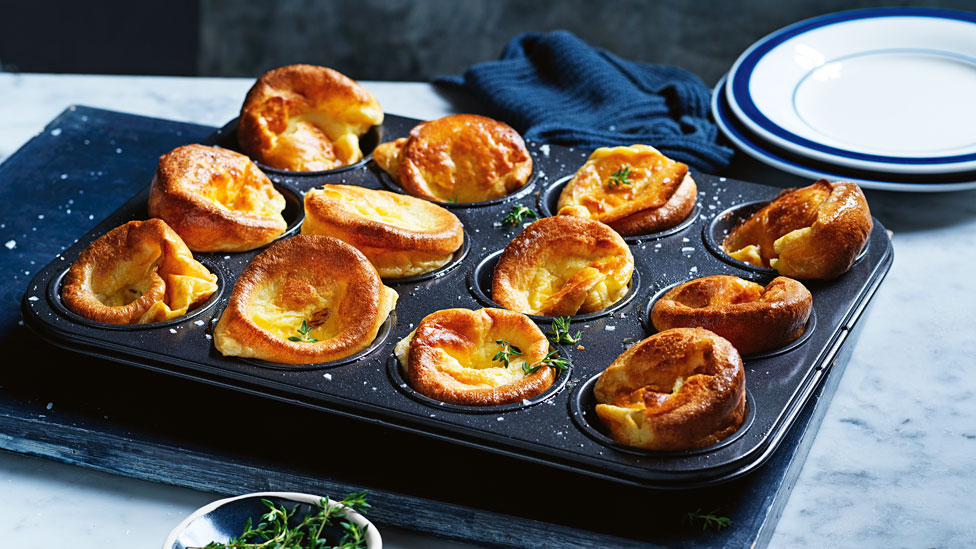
[813, 232]
[561, 266]
[676, 390]
[754, 319]
[635, 190]
[401, 235]
[137, 273]
[304, 300]
[306, 118]
[451, 357]
[217, 200]
[458, 158]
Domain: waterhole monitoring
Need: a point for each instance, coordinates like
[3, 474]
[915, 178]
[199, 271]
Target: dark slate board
[142, 424]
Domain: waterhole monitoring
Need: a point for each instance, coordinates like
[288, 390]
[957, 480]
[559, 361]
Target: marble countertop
[888, 467]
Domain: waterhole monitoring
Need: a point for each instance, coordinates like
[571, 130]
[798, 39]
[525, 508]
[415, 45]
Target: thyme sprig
[274, 530]
[551, 359]
[518, 213]
[620, 177]
[560, 331]
[304, 330]
[508, 351]
[708, 520]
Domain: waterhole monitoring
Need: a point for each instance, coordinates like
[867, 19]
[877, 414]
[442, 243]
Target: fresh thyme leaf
[560, 331]
[518, 213]
[620, 177]
[304, 330]
[455, 199]
[508, 351]
[708, 520]
[279, 527]
[552, 359]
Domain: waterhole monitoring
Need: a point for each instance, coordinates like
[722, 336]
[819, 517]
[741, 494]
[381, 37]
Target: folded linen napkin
[555, 88]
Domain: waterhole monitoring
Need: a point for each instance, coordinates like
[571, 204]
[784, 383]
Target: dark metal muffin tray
[557, 430]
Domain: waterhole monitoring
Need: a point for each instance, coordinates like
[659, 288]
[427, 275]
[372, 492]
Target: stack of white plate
[883, 97]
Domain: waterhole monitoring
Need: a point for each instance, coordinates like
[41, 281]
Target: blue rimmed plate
[804, 167]
[889, 90]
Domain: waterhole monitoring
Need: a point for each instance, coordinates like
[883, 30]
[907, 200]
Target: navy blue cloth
[555, 88]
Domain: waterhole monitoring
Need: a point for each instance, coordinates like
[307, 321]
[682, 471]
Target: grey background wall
[382, 39]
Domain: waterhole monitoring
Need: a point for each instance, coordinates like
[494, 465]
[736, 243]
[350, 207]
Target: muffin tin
[557, 429]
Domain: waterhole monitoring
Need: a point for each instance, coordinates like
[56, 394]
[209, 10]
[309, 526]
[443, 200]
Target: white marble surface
[889, 468]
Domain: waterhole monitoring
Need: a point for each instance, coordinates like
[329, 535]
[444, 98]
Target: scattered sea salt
[64, 176]
[50, 405]
[687, 250]
[328, 377]
[40, 216]
[118, 150]
[545, 150]
[499, 418]
[199, 322]
[10, 244]
[208, 336]
[693, 270]
[32, 298]
[609, 328]
[496, 224]
[172, 330]
[56, 132]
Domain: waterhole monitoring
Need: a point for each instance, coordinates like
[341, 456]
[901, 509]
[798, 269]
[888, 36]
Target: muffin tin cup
[480, 282]
[549, 199]
[395, 373]
[545, 429]
[54, 298]
[715, 232]
[583, 409]
[811, 324]
[226, 137]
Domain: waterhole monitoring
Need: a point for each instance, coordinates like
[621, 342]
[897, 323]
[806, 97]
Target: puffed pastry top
[813, 232]
[458, 158]
[401, 235]
[137, 273]
[306, 118]
[561, 266]
[217, 200]
[636, 190]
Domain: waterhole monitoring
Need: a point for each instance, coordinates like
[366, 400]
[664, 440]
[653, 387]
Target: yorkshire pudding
[401, 235]
[636, 190]
[137, 273]
[451, 357]
[306, 118]
[458, 158]
[813, 232]
[217, 200]
[754, 319]
[676, 390]
[304, 300]
[561, 266]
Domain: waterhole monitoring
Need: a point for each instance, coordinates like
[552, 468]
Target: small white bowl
[222, 520]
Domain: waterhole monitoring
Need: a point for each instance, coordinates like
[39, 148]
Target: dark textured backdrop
[382, 39]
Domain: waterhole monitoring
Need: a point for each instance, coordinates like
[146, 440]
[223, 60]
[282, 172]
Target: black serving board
[557, 431]
[110, 416]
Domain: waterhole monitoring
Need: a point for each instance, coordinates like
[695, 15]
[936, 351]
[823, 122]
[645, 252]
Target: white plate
[783, 160]
[890, 89]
